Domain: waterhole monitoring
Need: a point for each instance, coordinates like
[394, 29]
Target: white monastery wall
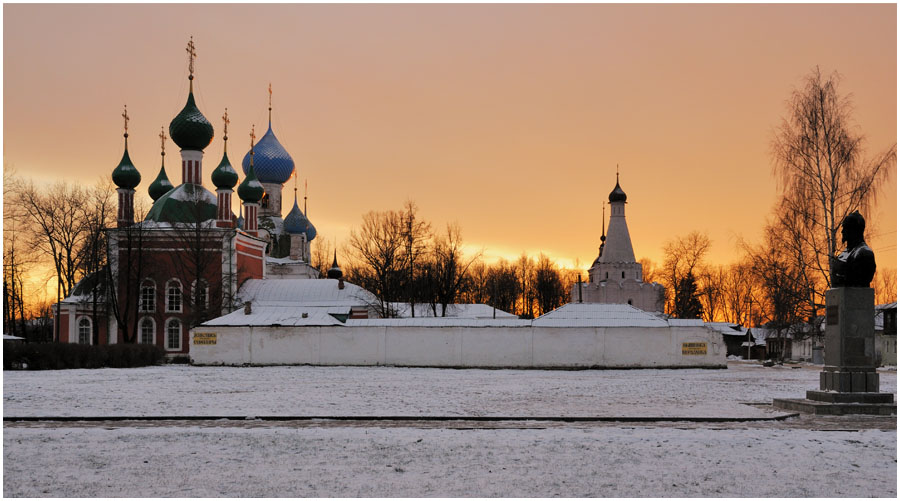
[460, 346]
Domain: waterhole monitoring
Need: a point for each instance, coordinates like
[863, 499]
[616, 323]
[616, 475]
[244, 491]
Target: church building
[186, 260]
[616, 277]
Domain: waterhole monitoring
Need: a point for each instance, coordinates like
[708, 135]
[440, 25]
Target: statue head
[852, 228]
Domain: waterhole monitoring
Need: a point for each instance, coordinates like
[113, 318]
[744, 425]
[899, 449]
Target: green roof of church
[187, 203]
[251, 190]
[224, 176]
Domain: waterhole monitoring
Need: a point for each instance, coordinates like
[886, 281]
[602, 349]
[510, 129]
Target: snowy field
[792, 458]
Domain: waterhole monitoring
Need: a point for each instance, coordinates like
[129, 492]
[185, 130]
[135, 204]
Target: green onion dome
[251, 190]
[224, 176]
[161, 185]
[617, 194]
[126, 175]
[190, 129]
[188, 203]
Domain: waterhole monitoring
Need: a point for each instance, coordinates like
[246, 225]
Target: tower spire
[162, 143]
[192, 53]
[305, 194]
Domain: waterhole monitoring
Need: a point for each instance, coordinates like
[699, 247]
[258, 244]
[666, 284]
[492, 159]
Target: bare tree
[549, 291]
[649, 271]
[885, 285]
[712, 291]
[414, 235]
[447, 270]
[823, 174]
[377, 246]
[683, 260]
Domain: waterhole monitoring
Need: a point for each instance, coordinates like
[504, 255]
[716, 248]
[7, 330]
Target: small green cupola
[251, 190]
[224, 177]
[190, 130]
[126, 175]
[161, 185]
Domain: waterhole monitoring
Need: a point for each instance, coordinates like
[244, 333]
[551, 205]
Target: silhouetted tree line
[396, 255]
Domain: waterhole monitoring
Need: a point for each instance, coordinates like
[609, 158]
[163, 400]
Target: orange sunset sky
[508, 119]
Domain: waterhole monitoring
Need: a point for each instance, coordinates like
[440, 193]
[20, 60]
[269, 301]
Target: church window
[629, 302]
[173, 296]
[173, 334]
[200, 295]
[623, 274]
[264, 203]
[147, 331]
[84, 330]
[607, 274]
[147, 301]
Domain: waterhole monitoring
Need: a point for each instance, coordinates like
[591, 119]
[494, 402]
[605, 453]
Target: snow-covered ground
[266, 458]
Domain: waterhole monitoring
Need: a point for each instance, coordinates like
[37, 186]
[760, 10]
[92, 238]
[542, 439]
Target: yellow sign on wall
[693, 348]
[204, 338]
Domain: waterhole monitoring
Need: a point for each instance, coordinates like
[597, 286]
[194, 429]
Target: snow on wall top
[304, 292]
[453, 310]
[273, 316]
[599, 315]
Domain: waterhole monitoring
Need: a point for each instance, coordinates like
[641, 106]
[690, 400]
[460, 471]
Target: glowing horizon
[506, 119]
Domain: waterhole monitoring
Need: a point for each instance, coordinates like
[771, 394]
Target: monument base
[838, 404]
[848, 384]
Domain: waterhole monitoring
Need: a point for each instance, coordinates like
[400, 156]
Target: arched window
[173, 296]
[623, 274]
[629, 301]
[200, 296]
[84, 330]
[147, 302]
[173, 334]
[147, 332]
[264, 203]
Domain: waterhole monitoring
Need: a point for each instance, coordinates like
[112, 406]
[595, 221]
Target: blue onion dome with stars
[271, 161]
[296, 223]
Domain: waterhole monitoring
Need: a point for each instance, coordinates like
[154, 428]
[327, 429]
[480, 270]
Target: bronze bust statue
[855, 265]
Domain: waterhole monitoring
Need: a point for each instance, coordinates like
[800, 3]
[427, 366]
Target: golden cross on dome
[162, 139]
[270, 104]
[252, 138]
[226, 121]
[125, 116]
[191, 55]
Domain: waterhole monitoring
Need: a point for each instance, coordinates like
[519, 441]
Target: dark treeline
[401, 259]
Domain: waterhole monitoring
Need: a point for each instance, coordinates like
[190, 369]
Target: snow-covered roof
[7, 337]
[599, 315]
[438, 322]
[453, 310]
[304, 292]
[727, 328]
[281, 316]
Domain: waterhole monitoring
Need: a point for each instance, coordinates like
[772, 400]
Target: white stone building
[615, 276]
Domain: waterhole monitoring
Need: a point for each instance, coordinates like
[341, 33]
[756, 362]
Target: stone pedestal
[848, 384]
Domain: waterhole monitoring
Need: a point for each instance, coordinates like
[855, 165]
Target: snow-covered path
[268, 459]
[392, 391]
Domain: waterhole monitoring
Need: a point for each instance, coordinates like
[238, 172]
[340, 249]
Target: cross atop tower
[252, 138]
[270, 103]
[191, 55]
[125, 116]
[162, 139]
[226, 121]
